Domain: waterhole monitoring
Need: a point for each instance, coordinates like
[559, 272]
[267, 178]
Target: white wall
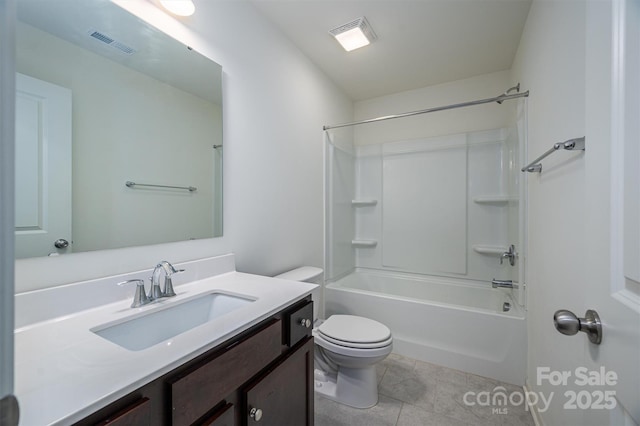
[275, 103]
[550, 63]
[484, 117]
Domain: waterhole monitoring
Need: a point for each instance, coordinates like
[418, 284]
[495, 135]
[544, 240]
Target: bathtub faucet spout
[501, 283]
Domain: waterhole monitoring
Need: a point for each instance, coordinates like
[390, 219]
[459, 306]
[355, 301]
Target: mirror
[103, 99]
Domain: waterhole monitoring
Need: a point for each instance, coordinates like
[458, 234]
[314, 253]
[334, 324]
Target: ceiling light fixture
[355, 34]
[179, 7]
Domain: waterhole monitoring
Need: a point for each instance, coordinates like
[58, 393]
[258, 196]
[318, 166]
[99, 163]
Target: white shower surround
[442, 311]
[454, 323]
[446, 206]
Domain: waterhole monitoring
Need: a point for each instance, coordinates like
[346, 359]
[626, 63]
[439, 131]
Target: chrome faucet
[141, 297]
[501, 283]
[169, 270]
[511, 255]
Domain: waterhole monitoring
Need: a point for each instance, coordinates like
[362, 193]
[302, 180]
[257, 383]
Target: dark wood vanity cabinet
[262, 376]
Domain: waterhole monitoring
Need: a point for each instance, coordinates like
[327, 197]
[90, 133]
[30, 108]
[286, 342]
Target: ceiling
[420, 42]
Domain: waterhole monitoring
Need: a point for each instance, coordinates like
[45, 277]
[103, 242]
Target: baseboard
[537, 417]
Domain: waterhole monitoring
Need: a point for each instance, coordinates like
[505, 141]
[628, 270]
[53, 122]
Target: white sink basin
[151, 328]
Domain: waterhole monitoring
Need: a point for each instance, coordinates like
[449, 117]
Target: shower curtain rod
[499, 99]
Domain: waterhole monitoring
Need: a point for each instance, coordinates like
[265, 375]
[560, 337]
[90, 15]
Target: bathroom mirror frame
[108, 214]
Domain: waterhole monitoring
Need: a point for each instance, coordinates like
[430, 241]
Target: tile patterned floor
[415, 393]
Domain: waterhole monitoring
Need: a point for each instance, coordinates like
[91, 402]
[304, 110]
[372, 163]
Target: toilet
[347, 349]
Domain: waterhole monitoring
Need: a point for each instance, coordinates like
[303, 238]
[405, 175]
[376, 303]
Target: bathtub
[439, 320]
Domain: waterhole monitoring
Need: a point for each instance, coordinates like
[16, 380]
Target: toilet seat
[321, 341]
[353, 335]
[373, 345]
[351, 329]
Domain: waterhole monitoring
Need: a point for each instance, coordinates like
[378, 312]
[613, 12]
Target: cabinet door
[222, 417]
[195, 392]
[283, 396]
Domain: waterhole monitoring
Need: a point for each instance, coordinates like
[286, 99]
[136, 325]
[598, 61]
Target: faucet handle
[140, 298]
[173, 270]
[511, 255]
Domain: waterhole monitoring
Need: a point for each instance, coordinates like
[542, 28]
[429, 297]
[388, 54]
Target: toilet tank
[308, 274]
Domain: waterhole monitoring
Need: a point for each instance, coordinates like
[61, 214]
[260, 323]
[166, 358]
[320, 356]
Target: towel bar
[570, 145]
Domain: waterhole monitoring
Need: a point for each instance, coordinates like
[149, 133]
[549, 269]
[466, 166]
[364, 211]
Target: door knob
[61, 243]
[9, 411]
[566, 322]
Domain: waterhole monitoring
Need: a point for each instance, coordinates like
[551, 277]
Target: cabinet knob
[305, 322]
[255, 414]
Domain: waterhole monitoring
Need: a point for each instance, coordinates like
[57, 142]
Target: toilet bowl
[347, 349]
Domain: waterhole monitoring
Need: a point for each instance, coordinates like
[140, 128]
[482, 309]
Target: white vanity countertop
[63, 371]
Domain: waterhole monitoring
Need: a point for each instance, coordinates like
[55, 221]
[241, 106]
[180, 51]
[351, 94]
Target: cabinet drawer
[299, 324]
[136, 414]
[199, 390]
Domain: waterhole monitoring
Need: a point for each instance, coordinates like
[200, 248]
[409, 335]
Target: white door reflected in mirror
[43, 167]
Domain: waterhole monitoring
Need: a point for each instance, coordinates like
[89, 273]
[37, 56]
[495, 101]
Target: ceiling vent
[111, 42]
[355, 34]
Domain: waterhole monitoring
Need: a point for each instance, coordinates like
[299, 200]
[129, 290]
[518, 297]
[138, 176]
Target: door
[43, 168]
[9, 412]
[612, 286]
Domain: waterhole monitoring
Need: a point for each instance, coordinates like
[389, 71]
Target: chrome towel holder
[188, 188]
[569, 145]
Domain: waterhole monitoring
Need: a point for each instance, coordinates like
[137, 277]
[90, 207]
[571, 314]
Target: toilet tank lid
[304, 273]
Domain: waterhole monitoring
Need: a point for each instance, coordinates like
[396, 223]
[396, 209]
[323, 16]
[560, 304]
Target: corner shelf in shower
[490, 250]
[364, 202]
[364, 243]
[494, 199]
